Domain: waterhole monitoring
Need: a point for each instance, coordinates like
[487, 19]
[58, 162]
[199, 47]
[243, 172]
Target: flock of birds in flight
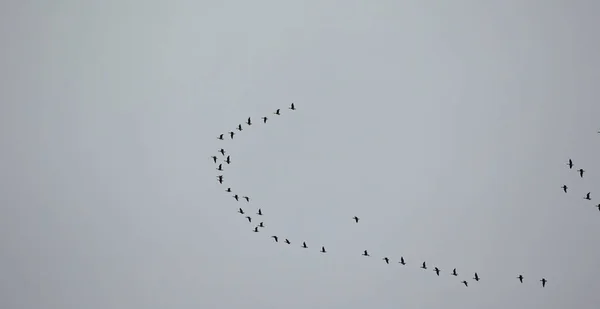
[387, 260]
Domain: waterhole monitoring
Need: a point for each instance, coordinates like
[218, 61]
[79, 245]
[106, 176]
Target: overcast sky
[444, 125]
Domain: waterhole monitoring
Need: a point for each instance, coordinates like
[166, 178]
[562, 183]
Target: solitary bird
[261, 224]
[228, 190]
[231, 134]
[275, 237]
[465, 283]
[476, 277]
[520, 277]
[570, 164]
[424, 266]
[220, 136]
[287, 241]
[228, 160]
[581, 172]
[437, 271]
[304, 245]
[564, 187]
[355, 219]
[220, 178]
[386, 259]
[402, 261]
[222, 151]
[587, 196]
[236, 197]
[246, 198]
[214, 158]
[249, 219]
[249, 122]
[292, 107]
[365, 253]
[239, 127]
[256, 229]
[544, 282]
[277, 112]
[241, 211]
[454, 272]
[323, 250]
[220, 168]
[259, 212]
[264, 119]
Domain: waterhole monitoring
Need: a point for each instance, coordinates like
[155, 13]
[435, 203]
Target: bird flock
[223, 157]
[580, 171]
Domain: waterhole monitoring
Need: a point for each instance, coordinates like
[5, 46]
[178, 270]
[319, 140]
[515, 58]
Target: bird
[587, 196]
[437, 271]
[228, 160]
[275, 237]
[386, 259]
[241, 211]
[598, 206]
[304, 245]
[543, 280]
[323, 250]
[365, 253]
[259, 212]
[570, 164]
[264, 119]
[424, 266]
[256, 229]
[520, 277]
[220, 168]
[220, 137]
[261, 224]
[564, 187]
[222, 151]
[292, 107]
[465, 283]
[454, 272]
[228, 190]
[581, 172]
[249, 219]
[246, 198]
[356, 219]
[231, 134]
[277, 112]
[239, 127]
[249, 122]
[287, 241]
[402, 261]
[476, 277]
[214, 158]
[236, 197]
[220, 178]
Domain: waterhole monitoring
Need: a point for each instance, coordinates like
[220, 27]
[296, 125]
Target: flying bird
[236, 197]
[570, 164]
[231, 134]
[256, 229]
[228, 160]
[220, 137]
[581, 172]
[287, 241]
[214, 158]
[437, 271]
[246, 198]
[402, 261]
[564, 187]
[249, 219]
[228, 190]
[276, 238]
[323, 250]
[543, 280]
[292, 107]
[587, 196]
[241, 211]
[239, 127]
[465, 283]
[476, 277]
[249, 122]
[222, 151]
[261, 225]
[365, 253]
[424, 266]
[220, 168]
[355, 219]
[304, 245]
[520, 277]
[259, 212]
[220, 178]
[264, 119]
[386, 259]
[454, 272]
[277, 112]
[598, 206]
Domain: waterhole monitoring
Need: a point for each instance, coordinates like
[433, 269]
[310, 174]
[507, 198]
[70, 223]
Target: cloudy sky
[444, 125]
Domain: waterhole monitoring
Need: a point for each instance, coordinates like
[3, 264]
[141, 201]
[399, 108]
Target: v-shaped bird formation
[224, 157]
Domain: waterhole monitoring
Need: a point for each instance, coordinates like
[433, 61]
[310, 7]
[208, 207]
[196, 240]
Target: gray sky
[444, 125]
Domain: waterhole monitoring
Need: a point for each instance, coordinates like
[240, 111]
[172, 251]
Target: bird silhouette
[220, 168]
[365, 253]
[231, 134]
[587, 196]
[304, 245]
[228, 190]
[564, 187]
[214, 158]
[228, 160]
[220, 178]
[454, 272]
[220, 137]
[424, 266]
[476, 277]
[323, 250]
[465, 283]
[236, 197]
[222, 151]
[292, 107]
[402, 261]
[570, 164]
[437, 271]
[239, 127]
[246, 198]
[249, 219]
[386, 259]
[256, 229]
[259, 212]
[355, 219]
[543, 280]
[249, 122]
[520, 277]
[581, 172]
[277, 112]
[241, 211]
[264, 119]
[598, 206]
[276, 238]
[261, 224]
[287, 241]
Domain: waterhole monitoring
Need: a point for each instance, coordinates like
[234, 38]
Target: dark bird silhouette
[587, 196]
[277, 112]
[543, 280]
[564, 187]
[520, 277]
[259, 212]
[249, 219]
[356, 219]
[236, 197]
[287, 241]
[476, 277]
[323, 250]
[231, 134]
[256, 229]
[228, 160]
[581, 172]
[246, 198]
[222, 151]
[241, 211]
[365, 253]
[264, 119]
[220, 168]
[454, 272]
[228, 190]
[261, 224]
[424, 266]
[598, 206]
[465, 283]
[249, 122]
[239, 127]
[214, 158]
[386, 259]
[570, 164]
[402, 261]
[437, 271]
[220, 178]
[276, 238]
[292, 107]
[304, 245]
[220, 137]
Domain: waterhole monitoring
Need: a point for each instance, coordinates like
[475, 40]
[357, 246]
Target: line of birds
[356, 219]
[580, 171]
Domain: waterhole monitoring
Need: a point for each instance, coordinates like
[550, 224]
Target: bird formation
[580, 171]
[302, 244]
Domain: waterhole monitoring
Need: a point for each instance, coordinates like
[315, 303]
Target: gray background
[444, 125]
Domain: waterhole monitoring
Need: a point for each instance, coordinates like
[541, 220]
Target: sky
[444, 125]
